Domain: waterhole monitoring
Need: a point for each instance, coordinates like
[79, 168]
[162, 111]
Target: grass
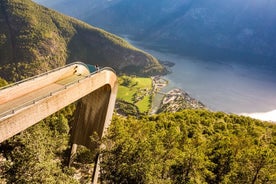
[125, 93]
[145, 104]
[137, 90]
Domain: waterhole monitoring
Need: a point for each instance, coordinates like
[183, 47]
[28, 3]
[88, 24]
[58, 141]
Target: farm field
[136, 90]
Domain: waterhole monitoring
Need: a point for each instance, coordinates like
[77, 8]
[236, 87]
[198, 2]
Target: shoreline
[159, 83]
[174, 100]
[210, 82]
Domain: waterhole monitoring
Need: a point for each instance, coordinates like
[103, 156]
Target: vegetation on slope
[34, 39]
[193, 146]
[38, 155]
[136, 91]
[3, 82]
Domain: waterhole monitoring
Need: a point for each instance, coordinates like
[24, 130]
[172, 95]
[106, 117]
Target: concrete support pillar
[27, 102]
[96, 170]
[72, 154]
[91, 117]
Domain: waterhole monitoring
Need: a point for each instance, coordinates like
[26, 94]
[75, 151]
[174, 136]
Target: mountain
[208, 29]
[81, 8]
[34, 39]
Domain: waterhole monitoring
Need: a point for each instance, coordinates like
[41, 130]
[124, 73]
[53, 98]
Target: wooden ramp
[27, 102]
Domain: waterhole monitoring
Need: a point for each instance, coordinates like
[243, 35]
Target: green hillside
[34, 39]
[192, 146]
[137, 91]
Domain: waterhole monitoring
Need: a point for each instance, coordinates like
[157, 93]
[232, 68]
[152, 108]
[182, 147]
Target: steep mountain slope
[247, 28]
[34, 39]
[81, 8]
[224, 29]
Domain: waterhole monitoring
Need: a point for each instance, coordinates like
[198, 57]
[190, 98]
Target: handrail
[42, 74]
[26, 104]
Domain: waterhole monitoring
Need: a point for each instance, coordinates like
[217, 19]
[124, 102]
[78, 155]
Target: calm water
[219, 85]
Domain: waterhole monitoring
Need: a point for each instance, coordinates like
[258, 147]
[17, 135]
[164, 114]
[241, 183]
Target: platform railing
[35, 100]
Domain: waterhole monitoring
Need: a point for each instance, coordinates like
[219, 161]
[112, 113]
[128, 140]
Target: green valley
[136, 90]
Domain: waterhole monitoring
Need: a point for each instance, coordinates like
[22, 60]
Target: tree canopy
[192, 146]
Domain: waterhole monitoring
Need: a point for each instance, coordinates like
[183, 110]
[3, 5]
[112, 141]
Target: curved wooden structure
[27, 102]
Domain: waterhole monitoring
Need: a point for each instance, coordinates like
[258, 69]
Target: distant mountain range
[210, 29]
[34, 39]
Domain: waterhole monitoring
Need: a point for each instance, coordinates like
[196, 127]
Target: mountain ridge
[34, 39]
[245, 29]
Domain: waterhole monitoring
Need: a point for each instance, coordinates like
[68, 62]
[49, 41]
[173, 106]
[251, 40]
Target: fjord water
[246, 26]
[221, 85]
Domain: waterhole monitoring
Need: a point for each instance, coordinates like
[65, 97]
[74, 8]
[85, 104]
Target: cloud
[265, 116]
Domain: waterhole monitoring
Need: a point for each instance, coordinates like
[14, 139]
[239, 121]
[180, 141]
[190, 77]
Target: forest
[191, 146]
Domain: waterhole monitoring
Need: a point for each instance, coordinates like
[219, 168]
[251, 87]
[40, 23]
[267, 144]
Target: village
[174, 100]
